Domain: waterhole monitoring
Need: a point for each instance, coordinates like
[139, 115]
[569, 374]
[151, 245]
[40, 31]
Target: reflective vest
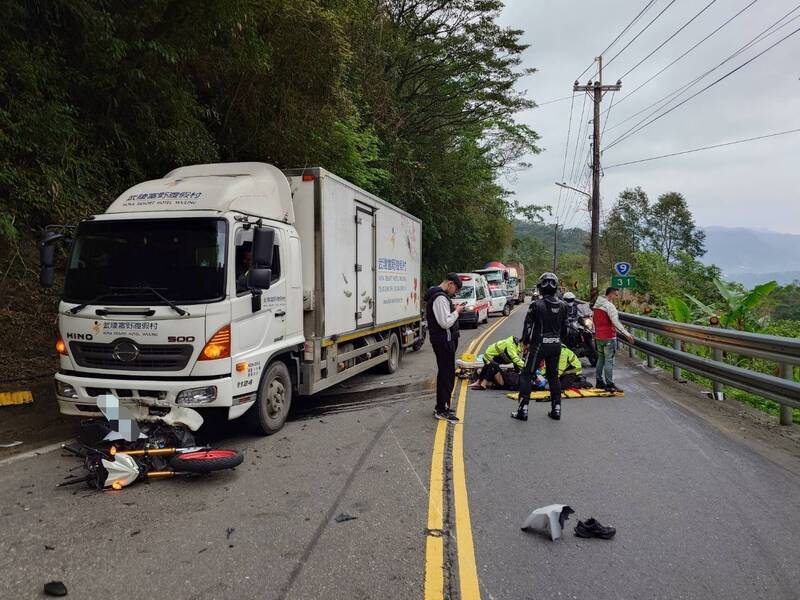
[506, 351]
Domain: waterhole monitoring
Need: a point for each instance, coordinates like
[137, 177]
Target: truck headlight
[65, 390]
[200, 395]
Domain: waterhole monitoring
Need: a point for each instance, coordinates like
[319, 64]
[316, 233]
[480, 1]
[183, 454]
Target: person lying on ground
[569, 370]
[503, 352]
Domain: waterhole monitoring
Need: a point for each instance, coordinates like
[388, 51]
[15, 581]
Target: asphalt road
[267, 530]
[699, 513]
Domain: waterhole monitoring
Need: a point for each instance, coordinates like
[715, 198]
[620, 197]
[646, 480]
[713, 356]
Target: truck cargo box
[360, 256]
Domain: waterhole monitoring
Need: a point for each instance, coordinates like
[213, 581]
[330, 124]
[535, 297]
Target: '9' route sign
[622, 268]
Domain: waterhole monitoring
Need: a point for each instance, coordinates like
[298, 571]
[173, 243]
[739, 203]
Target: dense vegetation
[413, 100]
[663, 244]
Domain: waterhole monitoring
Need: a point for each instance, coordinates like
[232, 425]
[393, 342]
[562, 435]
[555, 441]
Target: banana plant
[679, 311]
[741, 305]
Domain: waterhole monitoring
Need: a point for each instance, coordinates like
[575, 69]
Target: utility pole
[597, 89]
[555, 249]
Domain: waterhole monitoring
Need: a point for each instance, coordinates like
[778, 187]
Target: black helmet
[547, 284]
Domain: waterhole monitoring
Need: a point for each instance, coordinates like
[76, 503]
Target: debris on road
[15, 398]
[55, 588]
[343, 517]
[229, 532]
[549, 518]
[10, 444]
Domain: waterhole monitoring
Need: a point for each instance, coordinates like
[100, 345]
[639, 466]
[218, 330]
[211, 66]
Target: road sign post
[623, 282]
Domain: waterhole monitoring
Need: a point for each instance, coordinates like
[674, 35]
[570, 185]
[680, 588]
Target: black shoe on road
[613, 389]
[555, 413]
[591, 528]
[601, 384]
[447, 415]
[520, 415]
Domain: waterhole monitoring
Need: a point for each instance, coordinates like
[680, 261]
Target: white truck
[233, 286]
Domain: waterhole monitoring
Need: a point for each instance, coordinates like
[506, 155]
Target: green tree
[671, 229]
[625, 228]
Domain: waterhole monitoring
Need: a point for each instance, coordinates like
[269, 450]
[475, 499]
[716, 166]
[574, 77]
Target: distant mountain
[753, 256]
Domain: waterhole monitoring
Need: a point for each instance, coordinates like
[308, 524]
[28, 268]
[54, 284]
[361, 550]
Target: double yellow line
[465, 549]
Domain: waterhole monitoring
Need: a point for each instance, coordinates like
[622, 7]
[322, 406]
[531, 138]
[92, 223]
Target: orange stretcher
[544, 395]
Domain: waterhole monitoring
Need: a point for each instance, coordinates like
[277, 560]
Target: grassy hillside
[570, 241]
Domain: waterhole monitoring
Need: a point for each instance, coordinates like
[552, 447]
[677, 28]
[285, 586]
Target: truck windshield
[493, 276]
[183, 259]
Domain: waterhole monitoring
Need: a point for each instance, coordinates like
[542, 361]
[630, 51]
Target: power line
[635, 130]
[662, 44]
[646, 27]
[752, 139]
[577, 140]
[621, 33]
[538, 104]
[566, 152]
[664, 100]
[632, 92]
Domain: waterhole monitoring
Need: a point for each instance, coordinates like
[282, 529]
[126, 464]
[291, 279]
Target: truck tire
[273, 402]
[393, 361]
[506, 310]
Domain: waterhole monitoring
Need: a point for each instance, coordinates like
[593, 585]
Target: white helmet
[569, 297]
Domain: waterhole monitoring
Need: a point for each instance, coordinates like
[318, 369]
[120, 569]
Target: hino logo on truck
[80, 336]
[125, 351]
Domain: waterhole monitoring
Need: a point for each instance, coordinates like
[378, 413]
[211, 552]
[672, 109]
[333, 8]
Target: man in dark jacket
[442, 318]
[545, 328]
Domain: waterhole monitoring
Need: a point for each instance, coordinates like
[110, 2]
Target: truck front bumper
[77, 396]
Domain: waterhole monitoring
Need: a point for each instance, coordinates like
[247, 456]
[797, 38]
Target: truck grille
[146, 357]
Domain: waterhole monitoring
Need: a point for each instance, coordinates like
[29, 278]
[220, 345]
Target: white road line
[32, 453]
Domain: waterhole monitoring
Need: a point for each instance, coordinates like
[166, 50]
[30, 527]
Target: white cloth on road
[550, 518]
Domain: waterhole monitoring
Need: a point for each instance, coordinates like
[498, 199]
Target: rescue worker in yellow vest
[503, 352]
[569, 370]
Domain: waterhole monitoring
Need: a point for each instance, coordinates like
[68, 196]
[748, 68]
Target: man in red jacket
[606, 325]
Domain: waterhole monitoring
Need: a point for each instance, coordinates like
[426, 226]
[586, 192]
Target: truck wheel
[274, 400]
[506, 310]
[393, 363]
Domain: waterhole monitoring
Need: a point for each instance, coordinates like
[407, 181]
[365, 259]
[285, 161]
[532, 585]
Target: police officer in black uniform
[545, 328]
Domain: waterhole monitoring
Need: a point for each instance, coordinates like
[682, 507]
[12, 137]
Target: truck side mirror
[47, 255]
[263, 243]
[259, 278]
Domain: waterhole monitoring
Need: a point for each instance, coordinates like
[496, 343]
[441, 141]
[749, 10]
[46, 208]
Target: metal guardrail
[783, 350]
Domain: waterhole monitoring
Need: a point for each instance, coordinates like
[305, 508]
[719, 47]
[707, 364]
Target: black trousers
[489, 370]
[446, 376]
[551, 366]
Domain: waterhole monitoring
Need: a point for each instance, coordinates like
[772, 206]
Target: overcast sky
[756, 184]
